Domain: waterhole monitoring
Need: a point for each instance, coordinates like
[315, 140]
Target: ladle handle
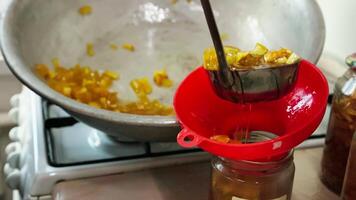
[187, 138]
[214, 32]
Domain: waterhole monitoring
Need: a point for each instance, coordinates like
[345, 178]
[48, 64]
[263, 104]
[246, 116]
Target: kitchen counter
[189, 181]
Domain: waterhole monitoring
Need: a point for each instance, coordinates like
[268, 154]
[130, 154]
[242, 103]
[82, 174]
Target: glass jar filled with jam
[349, 186]
[240, 179]
[342, 125]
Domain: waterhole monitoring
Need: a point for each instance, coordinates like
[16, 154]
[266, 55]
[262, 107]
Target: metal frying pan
[166, 35]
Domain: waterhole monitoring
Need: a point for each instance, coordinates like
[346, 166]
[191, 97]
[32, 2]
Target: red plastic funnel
[293, 118]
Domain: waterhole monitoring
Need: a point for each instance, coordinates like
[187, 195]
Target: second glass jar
[342, 125]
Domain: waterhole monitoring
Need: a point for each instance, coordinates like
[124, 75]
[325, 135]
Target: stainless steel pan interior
[166, 35]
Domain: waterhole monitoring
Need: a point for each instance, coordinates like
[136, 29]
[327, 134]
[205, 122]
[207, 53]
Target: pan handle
[187, 138]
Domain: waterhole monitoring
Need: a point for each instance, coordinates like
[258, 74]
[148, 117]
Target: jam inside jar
[349, 186]
[342, 125]
[241, 179]
[337, 143]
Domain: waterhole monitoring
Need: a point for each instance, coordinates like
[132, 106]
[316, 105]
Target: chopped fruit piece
[242, 58]
[90, 50]
[210, 57]
[221, 138]
[144, 105]
[259, 50]
[281, 61]
[94, 104]
[273, 56]
[114, 47]
[67, 91]
[42, 70]
[293, 58]
[161, 79]
[260, 56]
[111, 74]
[141, 86]
[85, 10]
[129, 47]
[225, 139]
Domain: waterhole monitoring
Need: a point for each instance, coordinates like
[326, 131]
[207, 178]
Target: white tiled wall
[340, 41]
[339, 18]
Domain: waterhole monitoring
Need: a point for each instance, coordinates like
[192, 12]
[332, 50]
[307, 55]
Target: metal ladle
[247, 85]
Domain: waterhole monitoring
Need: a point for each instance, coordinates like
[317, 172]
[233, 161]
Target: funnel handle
[187, 138]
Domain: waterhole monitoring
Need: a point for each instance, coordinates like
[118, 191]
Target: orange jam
[161, 79]
[85, 10]
[93, 88]
[260, 56]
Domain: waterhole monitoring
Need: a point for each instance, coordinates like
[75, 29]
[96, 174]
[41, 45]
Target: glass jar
[349, 186]
[240, 180]
[342, 125]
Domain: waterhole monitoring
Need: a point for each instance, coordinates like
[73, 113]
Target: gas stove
[49, 146]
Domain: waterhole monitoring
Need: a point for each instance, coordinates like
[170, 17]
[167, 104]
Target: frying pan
[166, 35]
